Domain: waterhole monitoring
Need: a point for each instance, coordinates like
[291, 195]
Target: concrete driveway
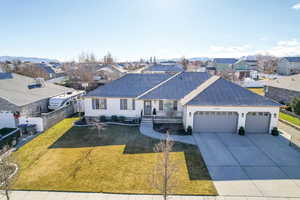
[251, 165]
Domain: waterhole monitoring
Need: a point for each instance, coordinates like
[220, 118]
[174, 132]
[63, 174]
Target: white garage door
[215, 122]
[257, 122]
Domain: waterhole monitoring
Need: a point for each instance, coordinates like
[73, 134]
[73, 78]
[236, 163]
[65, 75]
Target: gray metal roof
[16, 91]
[130, 85]
[226, 93]
[293, 59]
[178, 87]
[166, 68]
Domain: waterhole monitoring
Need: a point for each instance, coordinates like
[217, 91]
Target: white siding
[113, 108]
[7, 120]
[242, 111]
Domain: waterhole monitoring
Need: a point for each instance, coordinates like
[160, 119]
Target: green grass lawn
[120, 160]
[289, 118]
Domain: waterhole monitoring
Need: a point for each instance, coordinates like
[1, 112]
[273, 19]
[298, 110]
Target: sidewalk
[146, 128]
[39, 195]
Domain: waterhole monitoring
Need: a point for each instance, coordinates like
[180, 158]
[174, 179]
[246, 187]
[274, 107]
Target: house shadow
[135, 143]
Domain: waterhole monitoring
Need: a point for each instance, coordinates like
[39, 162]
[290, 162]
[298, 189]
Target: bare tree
[31, 70]
[184, 62]
[6, 171]
[85, 57]
[267, 63]
[164, 173]
[108, 59]
[99, 128]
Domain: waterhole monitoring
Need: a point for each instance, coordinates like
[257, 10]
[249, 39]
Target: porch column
[241, 119]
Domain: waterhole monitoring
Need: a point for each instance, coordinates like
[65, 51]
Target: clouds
[296, 6]
[284, 48]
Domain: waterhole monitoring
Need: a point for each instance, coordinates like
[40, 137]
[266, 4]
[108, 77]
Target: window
[161, 105]
[123, 104]
[133, 104]
[174, 105]
[98, 104]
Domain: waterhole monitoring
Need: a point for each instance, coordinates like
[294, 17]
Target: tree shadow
[135, 143]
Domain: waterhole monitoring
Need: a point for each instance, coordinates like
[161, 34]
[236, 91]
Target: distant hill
[29, 59]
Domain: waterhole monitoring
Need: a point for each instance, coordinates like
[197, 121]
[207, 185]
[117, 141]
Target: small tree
[296, 106]
[164, 173]
[6, 170]
[99, 128]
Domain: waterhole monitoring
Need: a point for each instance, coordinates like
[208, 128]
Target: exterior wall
[113, 108]
[155, 104]
[287, 68]
[35, 109]
[7, 106]
[7, 120]
[280, 94]
[242, 112]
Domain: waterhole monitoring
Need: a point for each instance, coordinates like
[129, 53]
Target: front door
[147, 107]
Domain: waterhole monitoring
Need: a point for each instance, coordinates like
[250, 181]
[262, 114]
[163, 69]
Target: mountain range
[29, 59]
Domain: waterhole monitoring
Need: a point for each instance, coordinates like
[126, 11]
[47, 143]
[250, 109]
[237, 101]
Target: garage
[215, 122]
[257, 122]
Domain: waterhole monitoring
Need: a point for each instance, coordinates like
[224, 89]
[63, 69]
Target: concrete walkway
[39, 195]
[146, 128]
[258, 165]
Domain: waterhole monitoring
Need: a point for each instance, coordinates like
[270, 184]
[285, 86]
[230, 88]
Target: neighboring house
[204, 102]
[109, 72]
[47, 69]
[288, 66]
[25, 97]
[246, 68]
[164, 68]
[283, 89]
[222, 64]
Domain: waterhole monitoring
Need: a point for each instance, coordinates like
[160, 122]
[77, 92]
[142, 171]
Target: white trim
[198, 90]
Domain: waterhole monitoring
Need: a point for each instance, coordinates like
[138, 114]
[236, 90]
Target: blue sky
[133, 29]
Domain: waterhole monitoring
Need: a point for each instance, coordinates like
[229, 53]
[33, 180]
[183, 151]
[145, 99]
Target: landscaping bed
[173, 129]
[289, 118]
[116, 159]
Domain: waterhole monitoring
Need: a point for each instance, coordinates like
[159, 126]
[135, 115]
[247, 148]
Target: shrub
[114, 118]
[241, 131]
[102, 118]
[189, 130]
[296, 106]
[275, 131]
[121, 118]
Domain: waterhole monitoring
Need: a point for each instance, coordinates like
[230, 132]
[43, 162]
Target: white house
[207, 103]
[288, 66]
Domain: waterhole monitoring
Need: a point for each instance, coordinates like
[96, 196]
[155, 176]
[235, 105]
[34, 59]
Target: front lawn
[289, 118]
[117, 161]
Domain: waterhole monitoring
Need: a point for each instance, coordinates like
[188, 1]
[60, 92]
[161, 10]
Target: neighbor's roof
[288, 82]
[225, 60]
[293, 59]
[166, 68]
[130, 85]
[226, 93]
[14, 88]
[179, 86]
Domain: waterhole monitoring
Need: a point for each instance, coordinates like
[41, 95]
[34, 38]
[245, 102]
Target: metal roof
[130, 85]
[178, 87]
[225, 60]
[166, 68]
[293, 59]
[16, 91]
[226, 93]
[5, 75]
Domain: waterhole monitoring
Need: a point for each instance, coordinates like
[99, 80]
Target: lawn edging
[290, 124]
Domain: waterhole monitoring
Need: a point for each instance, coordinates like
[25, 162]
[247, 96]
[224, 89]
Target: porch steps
[147, 120]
